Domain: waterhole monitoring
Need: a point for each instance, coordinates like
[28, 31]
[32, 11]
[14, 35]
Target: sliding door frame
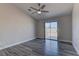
[55, 20]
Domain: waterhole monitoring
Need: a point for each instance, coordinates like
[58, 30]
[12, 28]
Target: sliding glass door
[51, 30]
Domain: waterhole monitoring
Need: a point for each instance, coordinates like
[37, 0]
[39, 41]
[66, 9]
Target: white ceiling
[55, 9]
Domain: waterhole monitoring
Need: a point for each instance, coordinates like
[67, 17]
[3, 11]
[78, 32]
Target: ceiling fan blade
[33, 12]
[29, 10]
[34, 8]
[44, 11]
[42, 7]
[38, 4]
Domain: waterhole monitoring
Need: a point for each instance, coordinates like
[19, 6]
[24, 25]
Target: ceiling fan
[38, 10]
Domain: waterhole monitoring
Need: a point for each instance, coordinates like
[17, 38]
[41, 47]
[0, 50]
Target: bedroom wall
[75, 27]
[65, 28]
[39, 29]
[15, 26]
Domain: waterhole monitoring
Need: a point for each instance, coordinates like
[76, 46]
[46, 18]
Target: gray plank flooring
[40, 47]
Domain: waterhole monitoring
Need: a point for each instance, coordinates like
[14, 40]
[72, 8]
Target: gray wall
[64, 28]
[39, 29]
[75, 26]
[15, 26]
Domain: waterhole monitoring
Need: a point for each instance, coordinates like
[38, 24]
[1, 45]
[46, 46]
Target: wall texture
[39, 29]
[65, 28]
[75, 26]
[15, 26]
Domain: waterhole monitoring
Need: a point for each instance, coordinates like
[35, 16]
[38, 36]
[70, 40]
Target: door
[51, 30]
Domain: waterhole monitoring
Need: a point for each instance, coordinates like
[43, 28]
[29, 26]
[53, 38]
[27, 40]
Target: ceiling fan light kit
[38, 10]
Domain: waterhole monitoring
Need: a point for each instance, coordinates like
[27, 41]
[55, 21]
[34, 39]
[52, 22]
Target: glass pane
[54, 30]
[51, 30]
[47, 30]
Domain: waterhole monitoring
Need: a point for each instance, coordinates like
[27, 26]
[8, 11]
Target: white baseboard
[76, 49]
[15, 44]
[66, 41]
[59, 40]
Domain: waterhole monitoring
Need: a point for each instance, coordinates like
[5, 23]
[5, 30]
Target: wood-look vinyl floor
[40, 47]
